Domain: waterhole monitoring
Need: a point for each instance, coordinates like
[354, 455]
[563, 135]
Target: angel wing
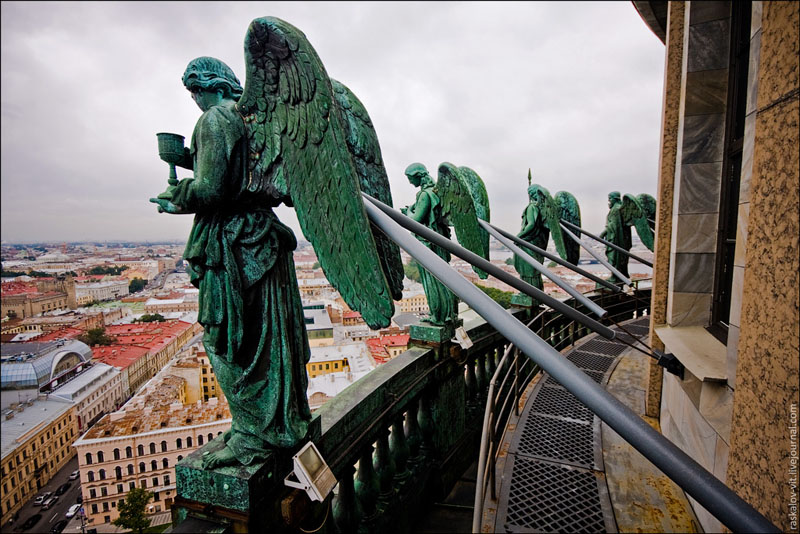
[570, 211]
[459, 208]
[366, 151]
[648, 204]
[634, 215]
[297, 141]
[552, 215]
[480, 199]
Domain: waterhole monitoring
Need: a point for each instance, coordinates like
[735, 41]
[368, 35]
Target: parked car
[73, 510]
[46, 505]
[62, 489]
[41, 498]
[31, 521]
[75, 474]
[58, 527]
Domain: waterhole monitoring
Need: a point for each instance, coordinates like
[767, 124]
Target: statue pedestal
[522, 300]
[433, 335]
[234, 497]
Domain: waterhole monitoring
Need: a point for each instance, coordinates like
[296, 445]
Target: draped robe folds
[442, 303]
[240, 258]
[533, 231]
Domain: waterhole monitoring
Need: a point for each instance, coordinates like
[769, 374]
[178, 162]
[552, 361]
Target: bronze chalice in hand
[171, 150]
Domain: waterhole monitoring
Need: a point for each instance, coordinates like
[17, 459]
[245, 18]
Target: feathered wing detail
[634, 215]
[297, 140]
[648, 204]
[569, 211]
[459, 208]
[552, 215]
[366, 151]
[480, 199]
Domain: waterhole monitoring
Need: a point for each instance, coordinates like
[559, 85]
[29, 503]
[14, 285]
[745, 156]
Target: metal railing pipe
[627, 281]
[733, 511]
[558, 260]
[606, 242]
[494, 270]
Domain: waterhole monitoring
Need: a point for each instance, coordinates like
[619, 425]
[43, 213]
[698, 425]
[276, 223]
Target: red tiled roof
[18, 288]
[66, 332]
[120, 356]
[351, 314]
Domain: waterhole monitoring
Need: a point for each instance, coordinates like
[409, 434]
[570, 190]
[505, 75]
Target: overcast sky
[571, 90]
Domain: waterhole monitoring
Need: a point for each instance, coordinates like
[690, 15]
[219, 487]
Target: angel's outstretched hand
[165, 205]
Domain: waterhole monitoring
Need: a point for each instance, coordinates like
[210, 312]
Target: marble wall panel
[699, 188]
[689, 309]
[716, 407]
[708, 45]
[752, 73]
[721, 459]
[702, 138]
[732, 356]
[697, 233]
[741, 234]
[747, 157]
[736, 296]
[755, 18]
[707, 521]
[704, 11]
[694, 273]
[699, 436]
[692, 387]
[706, 92]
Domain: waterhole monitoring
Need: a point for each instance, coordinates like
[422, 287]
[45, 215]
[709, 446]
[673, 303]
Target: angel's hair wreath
[537, 189]
[212, 74]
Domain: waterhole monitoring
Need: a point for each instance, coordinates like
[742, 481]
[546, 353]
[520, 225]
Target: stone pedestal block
[433, 335]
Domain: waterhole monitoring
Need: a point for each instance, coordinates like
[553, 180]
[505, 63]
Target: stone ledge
[699, 351]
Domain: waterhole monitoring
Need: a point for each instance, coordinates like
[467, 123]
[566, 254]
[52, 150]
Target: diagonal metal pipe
[627, 281]
[474, 259]
[716, 497]
[605, 242]
[597, 310]
[558, 260]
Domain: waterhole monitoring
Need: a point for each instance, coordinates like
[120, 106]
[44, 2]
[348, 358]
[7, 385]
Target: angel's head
[416, 173]
[210, 81]
[537, 193]
[614, 198]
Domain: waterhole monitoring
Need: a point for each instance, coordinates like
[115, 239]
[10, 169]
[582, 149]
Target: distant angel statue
[569, 211]
[540, 220]
[458, 198]
[294, 136]
[624, 212]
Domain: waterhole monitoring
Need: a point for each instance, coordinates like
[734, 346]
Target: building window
[163, 446]
[116, 454]
[140, 450]
[155, 482]
[180, 457]
[88, 458]
[732, 168]
[120, 488]
[118, 472]
[179, 443]
[131, 485]
[165, 463]
[90, 476]
[199, 440]
[189, 441]
[94, 508]
[210, 436]
[99, 457]
[130, 469]
[152, 448]
[166, 480]
[92, 493]
[153, 465]
[128, 452]
[103, 491]
[102, 474]
[141, 467]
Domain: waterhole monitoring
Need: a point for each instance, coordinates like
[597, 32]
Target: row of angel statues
[293, 135]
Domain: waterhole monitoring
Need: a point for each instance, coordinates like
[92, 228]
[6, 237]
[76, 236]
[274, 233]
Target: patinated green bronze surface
[570, 211]
[286, 137]
[619, 233]
[427, 210]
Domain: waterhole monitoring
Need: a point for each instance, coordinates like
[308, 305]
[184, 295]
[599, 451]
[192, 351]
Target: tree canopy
[411, 270]
[96, 336]
[136, 285]
[150, 318]
[131, 510]
[503, 298]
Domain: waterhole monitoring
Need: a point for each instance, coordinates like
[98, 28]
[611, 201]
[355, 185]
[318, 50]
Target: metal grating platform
[555, 400]
[587, 360]
[600, 346]
[550, 438]
[565, 500]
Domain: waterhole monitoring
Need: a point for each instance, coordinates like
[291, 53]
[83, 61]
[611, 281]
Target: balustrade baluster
[425, 420]
[384, 465]
[491, 361]
[399, 449]
[413, 435]
[345, 508]
[366, 485]
[471, 382]
[480, 373]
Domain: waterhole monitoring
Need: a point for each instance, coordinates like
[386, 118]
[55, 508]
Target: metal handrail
[724, 504]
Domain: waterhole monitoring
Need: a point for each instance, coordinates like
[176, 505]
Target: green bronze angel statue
[540, 220]
[458, 198]
[294, 136]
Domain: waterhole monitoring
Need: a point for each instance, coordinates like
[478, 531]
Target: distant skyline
[571, 90]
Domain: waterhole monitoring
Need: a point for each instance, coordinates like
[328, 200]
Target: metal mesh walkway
[554, 476]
